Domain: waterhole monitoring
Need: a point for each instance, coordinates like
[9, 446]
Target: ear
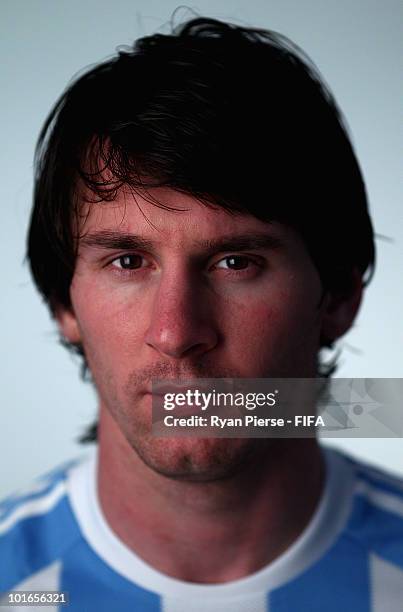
[340, 308]
[67, 324]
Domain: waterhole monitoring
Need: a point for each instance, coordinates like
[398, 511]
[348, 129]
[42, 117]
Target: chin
[195, 459]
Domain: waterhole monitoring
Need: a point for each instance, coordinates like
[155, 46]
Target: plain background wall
[357, 44]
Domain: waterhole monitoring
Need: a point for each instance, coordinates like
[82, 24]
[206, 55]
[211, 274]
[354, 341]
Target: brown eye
[235, 262]
[128, 262]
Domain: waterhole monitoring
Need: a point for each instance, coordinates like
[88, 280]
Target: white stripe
[386, 501]
[253, 603]
[34, 507]
[386, 586]
[47, 579]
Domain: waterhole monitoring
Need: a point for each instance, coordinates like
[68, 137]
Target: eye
[235, 262]
[128, 262]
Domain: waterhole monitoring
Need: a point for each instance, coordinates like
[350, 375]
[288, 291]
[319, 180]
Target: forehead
[186, 219]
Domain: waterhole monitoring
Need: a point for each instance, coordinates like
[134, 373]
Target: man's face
[197, 293]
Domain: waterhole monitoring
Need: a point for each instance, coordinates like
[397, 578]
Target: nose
[181, 321]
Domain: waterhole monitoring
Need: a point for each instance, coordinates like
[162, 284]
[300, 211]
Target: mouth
[175, 398]
[161, 388]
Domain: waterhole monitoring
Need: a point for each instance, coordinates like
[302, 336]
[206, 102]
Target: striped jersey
[54, 537]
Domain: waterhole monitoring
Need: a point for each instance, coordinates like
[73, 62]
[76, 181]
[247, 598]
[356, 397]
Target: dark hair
[235, 116]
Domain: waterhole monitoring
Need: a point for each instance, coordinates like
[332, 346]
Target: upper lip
[178, 387]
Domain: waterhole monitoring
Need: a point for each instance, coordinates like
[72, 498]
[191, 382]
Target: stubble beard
[182, 458]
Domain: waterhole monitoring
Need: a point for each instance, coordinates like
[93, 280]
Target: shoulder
[377, 489]
[376, 520]
[36, 526]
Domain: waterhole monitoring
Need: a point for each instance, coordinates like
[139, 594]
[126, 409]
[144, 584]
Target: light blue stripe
[35, 542]
[94, 587]
[338, 582]
[378, 530]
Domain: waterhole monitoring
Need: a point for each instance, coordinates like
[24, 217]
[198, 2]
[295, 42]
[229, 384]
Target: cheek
[108, 324]
[283, 332]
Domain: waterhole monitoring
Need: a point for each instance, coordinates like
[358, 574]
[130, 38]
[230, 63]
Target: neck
[237, 525]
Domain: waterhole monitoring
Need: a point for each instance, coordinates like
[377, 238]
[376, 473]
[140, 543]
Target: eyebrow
[107, 239]
[242, 242]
